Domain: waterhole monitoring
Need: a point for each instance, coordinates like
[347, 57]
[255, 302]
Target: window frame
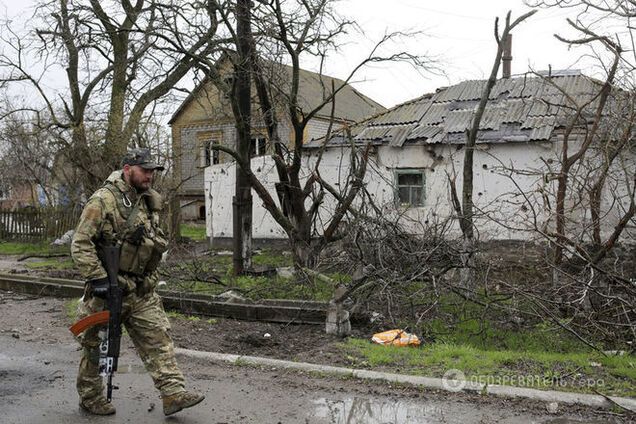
[263, 144]
[409, 171]
[207, 156]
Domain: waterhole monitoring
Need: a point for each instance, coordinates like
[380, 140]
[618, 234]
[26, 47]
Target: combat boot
[175, 403]
[97, 406]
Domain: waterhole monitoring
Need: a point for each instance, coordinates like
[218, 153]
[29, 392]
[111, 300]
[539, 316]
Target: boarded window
[410, 187]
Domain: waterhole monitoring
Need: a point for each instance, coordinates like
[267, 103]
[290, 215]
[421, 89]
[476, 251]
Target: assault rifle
[111, 335]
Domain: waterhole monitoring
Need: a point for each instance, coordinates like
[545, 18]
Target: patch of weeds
[267, 257]
[179, 315]
[195, 232]
[620, 365]
[544, 370]
[318, 374]
[340, 278]
[70, 307]
[41, 248]
[240, 362]
[50, 264]
[462, 323]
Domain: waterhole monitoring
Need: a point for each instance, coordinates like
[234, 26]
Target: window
[410, 187]
[207, 155]
[211, 155]
[257, 146]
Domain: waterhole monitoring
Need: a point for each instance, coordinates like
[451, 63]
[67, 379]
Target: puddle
[362, 410]
[374, 411]
[569, 421]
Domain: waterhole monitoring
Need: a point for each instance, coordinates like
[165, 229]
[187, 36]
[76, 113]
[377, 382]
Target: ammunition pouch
[154, 201]
[134, 257]
[158, 249]
[143, 245]
[142, 257]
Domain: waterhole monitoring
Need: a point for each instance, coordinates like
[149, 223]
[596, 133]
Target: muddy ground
[45, 320]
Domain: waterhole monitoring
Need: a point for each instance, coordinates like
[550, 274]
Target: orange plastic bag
[396, 338]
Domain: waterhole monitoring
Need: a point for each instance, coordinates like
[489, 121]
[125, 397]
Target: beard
[140, 179]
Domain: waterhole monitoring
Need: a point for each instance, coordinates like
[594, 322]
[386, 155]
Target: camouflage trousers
[147, 325]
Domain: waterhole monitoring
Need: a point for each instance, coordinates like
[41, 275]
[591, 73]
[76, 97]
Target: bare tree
[284, 32]
[116, 64]
[464, 209]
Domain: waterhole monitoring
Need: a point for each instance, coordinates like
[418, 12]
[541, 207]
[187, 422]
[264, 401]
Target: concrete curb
[595, 401]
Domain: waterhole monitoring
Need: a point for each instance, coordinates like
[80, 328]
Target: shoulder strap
[129, 214]
[133, 214]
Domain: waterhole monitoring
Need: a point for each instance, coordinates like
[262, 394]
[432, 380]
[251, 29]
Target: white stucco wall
[513, 191]
[219, 191]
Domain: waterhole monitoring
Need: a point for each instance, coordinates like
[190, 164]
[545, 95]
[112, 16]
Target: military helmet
[142, 158]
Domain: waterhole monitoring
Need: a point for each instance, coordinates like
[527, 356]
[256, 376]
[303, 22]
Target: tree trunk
[242, 105]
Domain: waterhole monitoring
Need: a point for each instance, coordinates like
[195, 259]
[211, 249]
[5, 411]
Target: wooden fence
[33, 225]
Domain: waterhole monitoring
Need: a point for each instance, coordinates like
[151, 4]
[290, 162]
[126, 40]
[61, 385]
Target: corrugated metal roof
[410, 112]
[373, 133]
[424, 131]
[451, 93]
[525, 87]
[516, 110]
[535, 122]
[435, 114]
[458, 120]
[519, 109]
[398, 134]
[472, 90]
[502, 86]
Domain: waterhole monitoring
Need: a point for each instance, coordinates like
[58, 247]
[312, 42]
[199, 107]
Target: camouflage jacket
[105, 217]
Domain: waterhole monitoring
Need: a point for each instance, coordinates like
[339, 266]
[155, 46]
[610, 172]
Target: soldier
[126, 210]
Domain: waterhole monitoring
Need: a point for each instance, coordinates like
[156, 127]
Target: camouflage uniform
[106, 216]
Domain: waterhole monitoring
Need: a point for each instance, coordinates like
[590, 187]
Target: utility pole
[242, 107]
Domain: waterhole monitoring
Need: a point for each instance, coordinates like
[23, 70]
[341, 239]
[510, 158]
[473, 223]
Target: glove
[99, 287]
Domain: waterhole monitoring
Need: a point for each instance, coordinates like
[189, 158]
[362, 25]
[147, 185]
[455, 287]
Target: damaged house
[205, 118]
[418, 149]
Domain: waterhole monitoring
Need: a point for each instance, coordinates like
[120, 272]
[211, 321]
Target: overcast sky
[458, 34]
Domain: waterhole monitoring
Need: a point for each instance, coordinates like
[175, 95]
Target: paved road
[37, 386]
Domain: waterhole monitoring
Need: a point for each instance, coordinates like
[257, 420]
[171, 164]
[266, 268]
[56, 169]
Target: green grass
[53, 263]
[70, 307]
[267, 257]
[484, 335]
[257, 288]
[194, 318]
[193, 231]
[585, 372]
[254, 287]
[42, 248]
[179, 315]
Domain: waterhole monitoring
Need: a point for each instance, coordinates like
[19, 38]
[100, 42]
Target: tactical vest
[142, 246]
